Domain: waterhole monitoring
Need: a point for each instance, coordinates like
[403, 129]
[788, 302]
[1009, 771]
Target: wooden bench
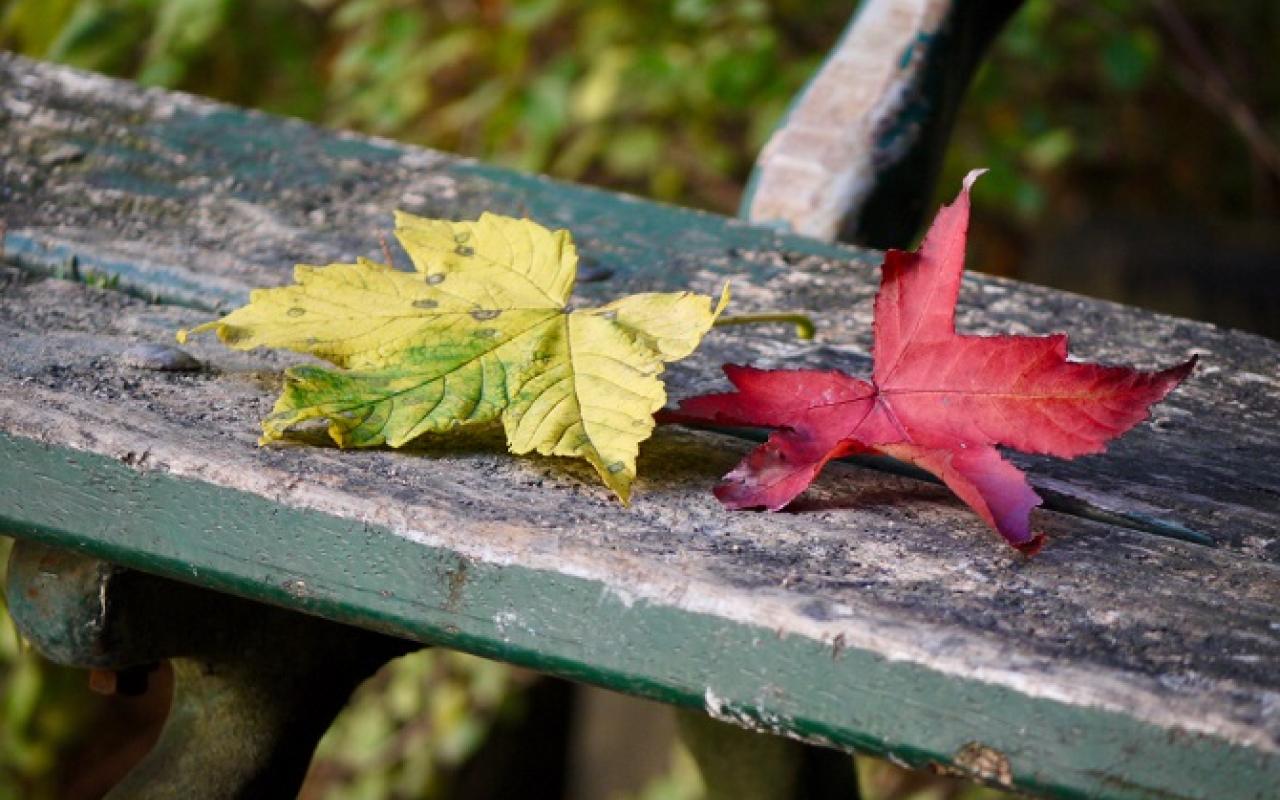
[1129, 659]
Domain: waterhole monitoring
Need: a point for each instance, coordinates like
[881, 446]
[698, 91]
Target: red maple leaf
[937, 399]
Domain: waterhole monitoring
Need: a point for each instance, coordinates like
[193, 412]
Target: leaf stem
[804, 325]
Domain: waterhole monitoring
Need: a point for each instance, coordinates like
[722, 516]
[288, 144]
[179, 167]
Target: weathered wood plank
[198, 202]
[858, 153]
[884, 617]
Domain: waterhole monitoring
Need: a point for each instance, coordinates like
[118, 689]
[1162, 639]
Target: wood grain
[858, 152]
[198, 203]
[879, 615]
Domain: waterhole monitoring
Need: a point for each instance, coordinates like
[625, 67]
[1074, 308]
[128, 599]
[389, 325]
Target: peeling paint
[901, 565]
[986, 763]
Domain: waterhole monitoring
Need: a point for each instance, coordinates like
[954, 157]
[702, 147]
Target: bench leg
[738, 764]
[255, 687]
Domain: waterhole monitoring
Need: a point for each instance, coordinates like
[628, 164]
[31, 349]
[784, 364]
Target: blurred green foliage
[410, 727]
[1091, 108]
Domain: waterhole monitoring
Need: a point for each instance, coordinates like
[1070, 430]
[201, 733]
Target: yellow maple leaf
[481, 331]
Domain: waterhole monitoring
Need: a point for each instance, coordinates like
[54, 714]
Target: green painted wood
[922, 638]
[584, 630]
[198, 203]
[880, 615]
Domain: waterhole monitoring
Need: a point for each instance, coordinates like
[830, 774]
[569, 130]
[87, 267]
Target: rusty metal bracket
[255, 687]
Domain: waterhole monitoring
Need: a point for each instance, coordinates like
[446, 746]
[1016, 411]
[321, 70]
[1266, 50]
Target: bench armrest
[857, 155]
